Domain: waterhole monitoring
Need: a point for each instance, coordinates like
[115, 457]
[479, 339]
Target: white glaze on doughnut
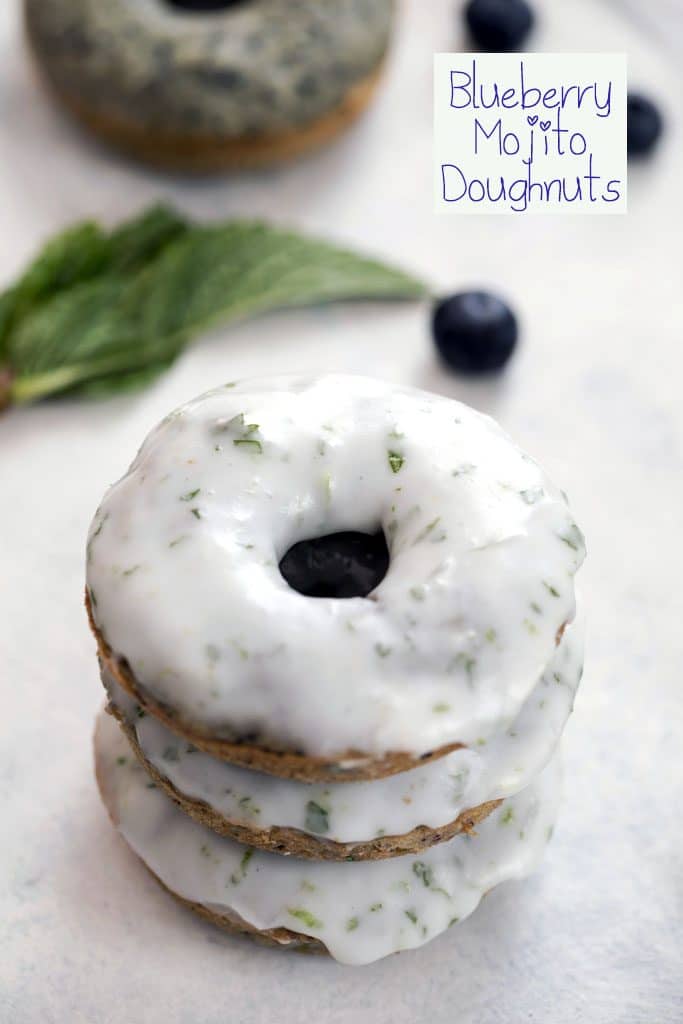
[183, 567]
[432, 795]
[361, 911]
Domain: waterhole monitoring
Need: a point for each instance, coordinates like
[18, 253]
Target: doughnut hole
[203, 5]
[347, 564]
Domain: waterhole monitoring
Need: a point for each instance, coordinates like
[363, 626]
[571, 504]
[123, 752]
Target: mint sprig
[100, 312]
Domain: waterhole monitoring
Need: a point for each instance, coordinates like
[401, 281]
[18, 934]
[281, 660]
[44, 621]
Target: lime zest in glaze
[573, 538]
[251, 443]
[241, 873]
[426, 876]
[352, 924]
[550, 588]
[190, 495]
[301, 914]
[396, 460]
[317, 818]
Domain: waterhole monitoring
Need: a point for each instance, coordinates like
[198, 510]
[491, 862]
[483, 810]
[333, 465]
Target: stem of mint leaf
[103, 312]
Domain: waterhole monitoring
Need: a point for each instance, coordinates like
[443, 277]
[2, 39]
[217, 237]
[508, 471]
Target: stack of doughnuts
[201, 85]
[337, 630]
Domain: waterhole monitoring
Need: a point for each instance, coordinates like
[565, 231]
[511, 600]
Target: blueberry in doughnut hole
[202, 85]
[195, 619]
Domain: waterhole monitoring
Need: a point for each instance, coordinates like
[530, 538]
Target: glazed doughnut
[202, 86]
[356, 912]
[195, 619]
[361, 820]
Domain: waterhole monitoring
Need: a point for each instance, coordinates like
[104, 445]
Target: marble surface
[594, 393]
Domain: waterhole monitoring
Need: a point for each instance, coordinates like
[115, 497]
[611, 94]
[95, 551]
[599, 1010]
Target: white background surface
[594, 393]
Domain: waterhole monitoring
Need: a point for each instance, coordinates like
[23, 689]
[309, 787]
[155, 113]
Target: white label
[530, 132]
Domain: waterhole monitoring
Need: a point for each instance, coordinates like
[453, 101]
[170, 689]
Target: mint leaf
[317, 818]
[103, 313]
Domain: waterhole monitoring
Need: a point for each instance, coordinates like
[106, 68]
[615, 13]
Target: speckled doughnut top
[184, 581]
[262, 67]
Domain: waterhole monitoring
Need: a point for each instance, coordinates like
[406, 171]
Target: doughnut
[467, 547]
[357, 912]
[400, 814]
[203, 85]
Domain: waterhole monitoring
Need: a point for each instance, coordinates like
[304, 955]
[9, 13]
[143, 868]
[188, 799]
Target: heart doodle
[532, 119]
[545, 125]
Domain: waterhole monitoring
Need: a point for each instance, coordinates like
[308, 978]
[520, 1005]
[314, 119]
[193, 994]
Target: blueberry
[346, 564]
[498, 26]
[475, 332]
[643, 124]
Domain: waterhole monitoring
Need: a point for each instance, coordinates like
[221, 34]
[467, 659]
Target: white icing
[183, 564]
[414, 897]
[432, 795]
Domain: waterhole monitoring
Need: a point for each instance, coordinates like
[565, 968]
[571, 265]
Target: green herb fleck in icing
[551, 589]
[375, 907]
[411, 915]
[506, 817]
[396, 460]
[382, 650]
[248, 805]
[352, 924]
[140, 712]
[532, 496]
[417, 593]
[317, 818]
[129, 572]
[530, 627]
[467, 662]
[490, 636]
[190, 494]
[453, 920]
[536, 608]
[440, 709]
[171, 754]
[301, 914]
[241, 872]
[178, 540]
[426, 876]
[121, 760]
[254, 446]
[196, 513]
[423, 534]
[573, 538]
